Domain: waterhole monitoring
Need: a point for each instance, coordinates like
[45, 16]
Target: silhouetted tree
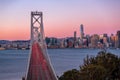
[92, 72]
[105, 66]
[71, 75]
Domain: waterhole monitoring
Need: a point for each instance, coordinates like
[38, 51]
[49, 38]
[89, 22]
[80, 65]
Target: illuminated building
[118, 36]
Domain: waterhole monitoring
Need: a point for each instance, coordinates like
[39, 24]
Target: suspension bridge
[39, 65]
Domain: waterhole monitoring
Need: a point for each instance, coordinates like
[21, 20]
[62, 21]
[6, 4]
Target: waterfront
[13, 63]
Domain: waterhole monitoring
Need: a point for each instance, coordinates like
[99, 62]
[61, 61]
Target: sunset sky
[60, 17]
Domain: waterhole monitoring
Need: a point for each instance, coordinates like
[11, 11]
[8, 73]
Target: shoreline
[55, 48]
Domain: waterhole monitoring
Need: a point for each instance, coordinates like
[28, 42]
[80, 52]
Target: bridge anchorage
[39, 65]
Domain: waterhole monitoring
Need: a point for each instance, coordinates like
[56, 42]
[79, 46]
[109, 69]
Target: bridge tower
[39, 65]
[37, 31]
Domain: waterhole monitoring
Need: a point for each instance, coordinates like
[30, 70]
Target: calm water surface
[13, 63]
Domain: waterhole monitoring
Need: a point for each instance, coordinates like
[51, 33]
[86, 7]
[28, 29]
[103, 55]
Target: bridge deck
[39, 67]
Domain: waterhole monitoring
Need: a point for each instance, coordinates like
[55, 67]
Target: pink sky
[61, 18]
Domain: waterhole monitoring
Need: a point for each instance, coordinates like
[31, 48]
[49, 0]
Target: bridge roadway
[39, 67]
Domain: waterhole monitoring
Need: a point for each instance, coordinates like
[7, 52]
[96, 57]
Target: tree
[105, 66]
[92, 72]
[71, 75]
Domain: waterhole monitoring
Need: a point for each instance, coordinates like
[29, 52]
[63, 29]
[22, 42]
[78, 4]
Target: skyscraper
[118, 36]
[75, 38]
[75, 35]
[112, 40]
[81, 32]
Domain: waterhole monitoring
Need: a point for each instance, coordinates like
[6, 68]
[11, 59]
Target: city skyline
[60, 18]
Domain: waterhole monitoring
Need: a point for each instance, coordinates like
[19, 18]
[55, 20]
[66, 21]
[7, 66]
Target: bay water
[13, 63]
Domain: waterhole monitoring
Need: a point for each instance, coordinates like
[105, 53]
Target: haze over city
[60, 17]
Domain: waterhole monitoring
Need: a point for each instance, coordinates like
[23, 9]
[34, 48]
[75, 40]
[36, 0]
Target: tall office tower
[105, 40]
[88, 40]
[75, 35]
[75, 38]
[112, 40]
[81, 31]
[118, 36]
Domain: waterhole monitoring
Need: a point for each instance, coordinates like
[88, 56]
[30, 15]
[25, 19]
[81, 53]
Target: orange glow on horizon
[60, 18]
